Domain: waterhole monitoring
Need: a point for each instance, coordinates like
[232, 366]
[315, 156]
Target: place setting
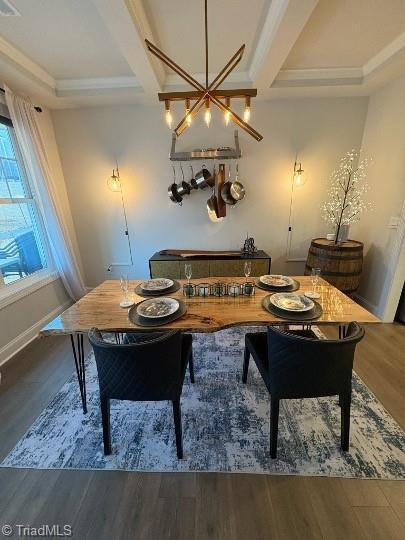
[157, 287]
[294, 307]
[157, 311]
[277, 283]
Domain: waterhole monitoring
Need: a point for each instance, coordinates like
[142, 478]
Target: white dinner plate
[291, 302]
[275, 280]
[156, 308]
[157, 284]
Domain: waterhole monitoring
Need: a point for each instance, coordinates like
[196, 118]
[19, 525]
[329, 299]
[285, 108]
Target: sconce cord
[290, 214]
[126, 231]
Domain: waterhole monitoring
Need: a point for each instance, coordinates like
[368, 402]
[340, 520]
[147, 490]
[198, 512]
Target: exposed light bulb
[227, 114]
[114, 182]
[168, 114]
[207, 114]
[299, 177]
[246, 113]
[188, 116]
[169, 119]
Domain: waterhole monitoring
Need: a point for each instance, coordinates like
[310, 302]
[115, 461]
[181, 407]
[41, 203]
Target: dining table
[100, 308]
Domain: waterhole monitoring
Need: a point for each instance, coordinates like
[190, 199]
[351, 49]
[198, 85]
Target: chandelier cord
[206, 44]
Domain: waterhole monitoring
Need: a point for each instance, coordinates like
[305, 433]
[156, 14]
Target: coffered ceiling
[68, 53]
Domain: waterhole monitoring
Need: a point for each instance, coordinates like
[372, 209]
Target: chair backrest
[150, 370]
[301, 367]
[28, 251]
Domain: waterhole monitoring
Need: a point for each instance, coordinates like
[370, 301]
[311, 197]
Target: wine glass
[315, 273]
[124, 286]
[247, 269]
[188, 271]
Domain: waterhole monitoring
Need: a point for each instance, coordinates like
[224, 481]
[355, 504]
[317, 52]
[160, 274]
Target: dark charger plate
[148, 294]
[310, 315]
[144, 321]
[290, 288]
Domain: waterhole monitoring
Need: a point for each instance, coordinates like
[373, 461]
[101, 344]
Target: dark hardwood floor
[115, 505]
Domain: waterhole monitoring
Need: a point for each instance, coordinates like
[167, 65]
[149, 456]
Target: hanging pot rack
[207, 153]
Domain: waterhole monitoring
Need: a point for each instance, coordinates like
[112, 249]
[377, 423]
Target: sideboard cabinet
[172, 266]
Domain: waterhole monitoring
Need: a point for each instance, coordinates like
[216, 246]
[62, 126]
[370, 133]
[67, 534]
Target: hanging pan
[204, 179]
[172, 190]
[226, 191]
[237, 189]
[184, 188]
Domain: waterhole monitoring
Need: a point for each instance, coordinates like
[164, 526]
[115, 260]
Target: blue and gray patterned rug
[225, 425]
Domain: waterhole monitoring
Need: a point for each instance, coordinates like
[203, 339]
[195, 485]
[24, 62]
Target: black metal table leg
[78, 354]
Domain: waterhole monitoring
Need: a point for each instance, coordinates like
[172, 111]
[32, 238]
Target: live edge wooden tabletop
[100, 308]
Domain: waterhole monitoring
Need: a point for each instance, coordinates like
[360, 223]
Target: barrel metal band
[334, 257]
[336, 274]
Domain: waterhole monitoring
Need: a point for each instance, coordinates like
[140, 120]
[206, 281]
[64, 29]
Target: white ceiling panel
[66, 37]
[178, 27]
[346, 33]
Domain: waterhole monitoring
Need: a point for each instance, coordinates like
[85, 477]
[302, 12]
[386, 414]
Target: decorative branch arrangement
[345, 202]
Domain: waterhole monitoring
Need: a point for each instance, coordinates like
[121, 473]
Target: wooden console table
[172, 266]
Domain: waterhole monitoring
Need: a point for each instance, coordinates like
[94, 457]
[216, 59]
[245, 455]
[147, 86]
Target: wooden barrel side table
[341, 264]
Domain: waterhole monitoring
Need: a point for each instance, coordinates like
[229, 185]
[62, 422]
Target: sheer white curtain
[31, 144]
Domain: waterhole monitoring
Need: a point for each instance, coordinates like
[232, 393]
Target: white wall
[384, 141]
[89, 140]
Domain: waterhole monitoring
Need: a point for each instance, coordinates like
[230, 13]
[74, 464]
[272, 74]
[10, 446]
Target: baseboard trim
[23, 339]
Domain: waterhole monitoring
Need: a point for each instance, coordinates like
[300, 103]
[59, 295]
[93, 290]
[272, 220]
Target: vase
[343, 233]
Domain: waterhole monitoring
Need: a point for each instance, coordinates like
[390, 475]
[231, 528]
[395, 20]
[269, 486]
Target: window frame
[26, 285]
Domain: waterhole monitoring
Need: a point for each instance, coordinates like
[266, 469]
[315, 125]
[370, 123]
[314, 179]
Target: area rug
[225, 426]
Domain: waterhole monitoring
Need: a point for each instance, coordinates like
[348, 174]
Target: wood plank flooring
[118, 504]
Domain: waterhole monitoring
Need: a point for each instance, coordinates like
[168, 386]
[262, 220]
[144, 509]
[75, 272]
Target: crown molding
[99, 83]
[318, 77]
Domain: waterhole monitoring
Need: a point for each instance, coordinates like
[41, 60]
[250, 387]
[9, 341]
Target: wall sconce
[299, 177]
[114, 183]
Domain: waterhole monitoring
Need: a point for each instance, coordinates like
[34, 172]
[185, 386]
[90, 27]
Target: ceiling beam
[282, 26]
[385, 55]
[15, 57]
[127, 23]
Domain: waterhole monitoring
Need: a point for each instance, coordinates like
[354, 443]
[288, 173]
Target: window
[22, 246]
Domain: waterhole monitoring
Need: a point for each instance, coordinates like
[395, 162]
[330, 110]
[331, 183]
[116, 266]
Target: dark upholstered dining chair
[150, 369]
[299, 365]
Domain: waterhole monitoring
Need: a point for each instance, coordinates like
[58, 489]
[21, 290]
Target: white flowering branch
[345, 202]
